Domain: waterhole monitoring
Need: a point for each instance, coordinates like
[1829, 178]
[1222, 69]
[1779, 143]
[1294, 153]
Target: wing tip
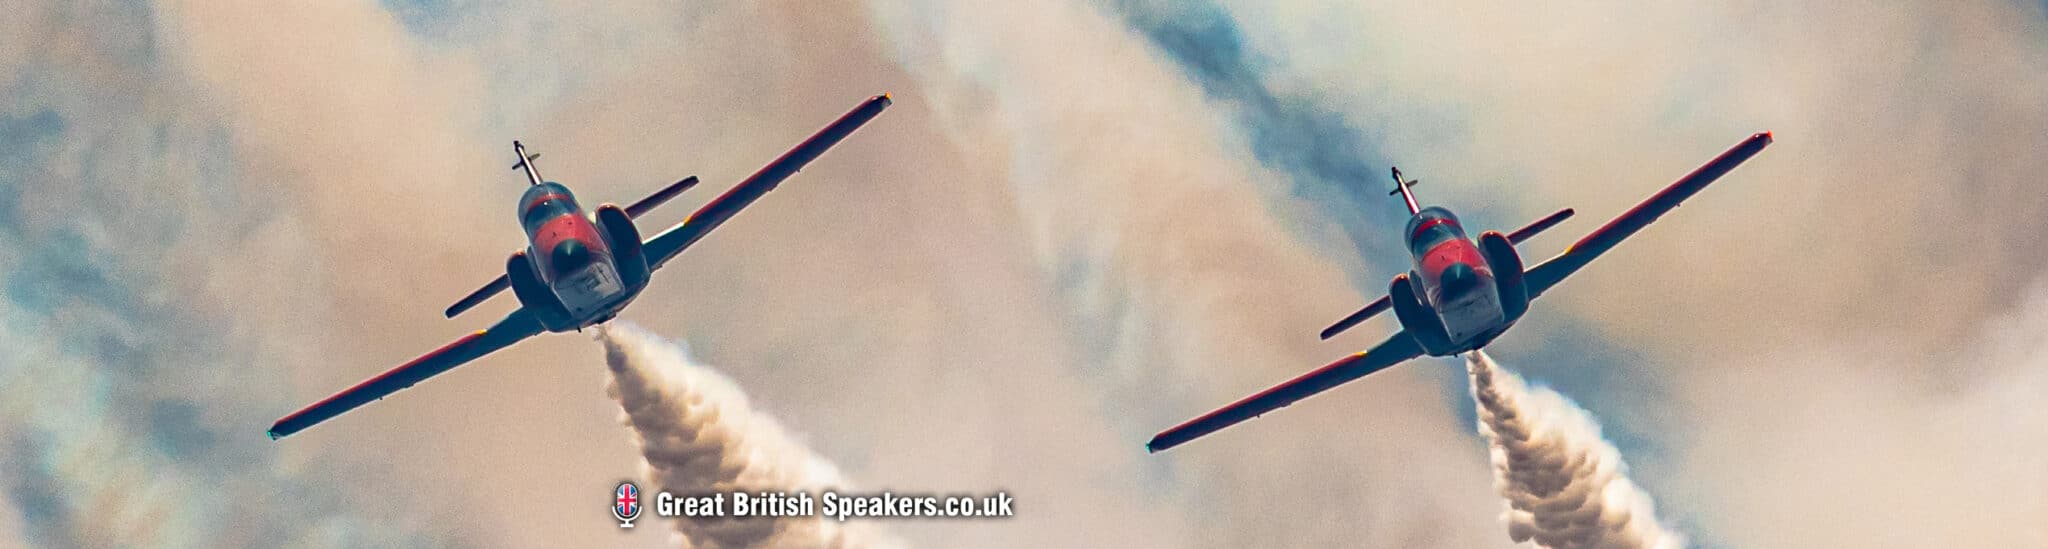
[279, 430]
[1159, 442]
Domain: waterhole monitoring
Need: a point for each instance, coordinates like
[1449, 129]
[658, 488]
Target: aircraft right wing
[1395, 350]
[1575, 257]
[673, 241]
[515, 327]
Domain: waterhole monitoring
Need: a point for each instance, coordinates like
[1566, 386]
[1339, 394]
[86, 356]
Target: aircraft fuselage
[1455, 284]
[577, 276]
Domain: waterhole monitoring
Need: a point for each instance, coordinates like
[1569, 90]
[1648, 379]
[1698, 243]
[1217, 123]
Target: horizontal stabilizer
[492, 288]
[1538, 226]
[655, 200]
[1376, 307]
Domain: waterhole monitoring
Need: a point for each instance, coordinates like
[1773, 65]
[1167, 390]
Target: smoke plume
[1565, 486]
[699, 435]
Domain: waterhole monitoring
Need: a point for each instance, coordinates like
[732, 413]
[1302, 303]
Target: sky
[1081, 222]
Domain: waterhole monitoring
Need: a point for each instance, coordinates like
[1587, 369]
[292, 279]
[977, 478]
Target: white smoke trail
[699, 436]
[1565, 486]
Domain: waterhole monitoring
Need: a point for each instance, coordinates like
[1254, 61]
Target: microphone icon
[626, 504]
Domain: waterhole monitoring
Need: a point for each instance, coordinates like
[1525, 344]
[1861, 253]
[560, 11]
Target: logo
[626, 504]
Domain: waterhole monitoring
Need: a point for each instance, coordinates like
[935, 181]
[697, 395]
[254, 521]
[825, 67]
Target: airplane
[579, 269]
[1460, 295]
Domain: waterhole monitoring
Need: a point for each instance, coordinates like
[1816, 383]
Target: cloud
[127, 386]
[1870, 459]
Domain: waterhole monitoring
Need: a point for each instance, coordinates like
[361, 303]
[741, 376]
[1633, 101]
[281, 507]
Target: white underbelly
[1478, 313]
[589, 289]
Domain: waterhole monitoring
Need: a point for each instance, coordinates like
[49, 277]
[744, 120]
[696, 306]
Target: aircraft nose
[1458, 279]
[569, 256]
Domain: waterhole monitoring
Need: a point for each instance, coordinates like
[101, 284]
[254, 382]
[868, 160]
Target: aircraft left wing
[673, 240]
[1575, 257]
[515, 327]
[1395, 350]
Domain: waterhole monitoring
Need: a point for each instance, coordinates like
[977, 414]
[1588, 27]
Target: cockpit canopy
[1432, 226]
[545, 201]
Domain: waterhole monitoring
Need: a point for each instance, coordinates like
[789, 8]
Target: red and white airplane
[579, 269]
[1460, 294]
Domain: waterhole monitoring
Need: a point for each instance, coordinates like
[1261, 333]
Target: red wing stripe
[1668, 198]
[676, 238]
[1394, 350]
[515, 327]
[380, 378]
[1547, 274]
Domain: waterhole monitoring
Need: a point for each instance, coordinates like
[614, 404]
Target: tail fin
[526, 161]
[1401, 187]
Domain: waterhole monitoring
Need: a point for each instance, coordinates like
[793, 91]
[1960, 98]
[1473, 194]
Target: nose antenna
[526, 161]
[1401, 187]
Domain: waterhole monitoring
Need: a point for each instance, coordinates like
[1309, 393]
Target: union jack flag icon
[626, 504]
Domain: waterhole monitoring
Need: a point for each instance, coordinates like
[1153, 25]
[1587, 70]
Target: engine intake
[535, 295]
[1506, 263]
[1418, 319]
[624, 238]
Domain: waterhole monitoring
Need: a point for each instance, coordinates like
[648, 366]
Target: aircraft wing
[1556, 269]
[675, 239]
[1395, 350]
[515, 327]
